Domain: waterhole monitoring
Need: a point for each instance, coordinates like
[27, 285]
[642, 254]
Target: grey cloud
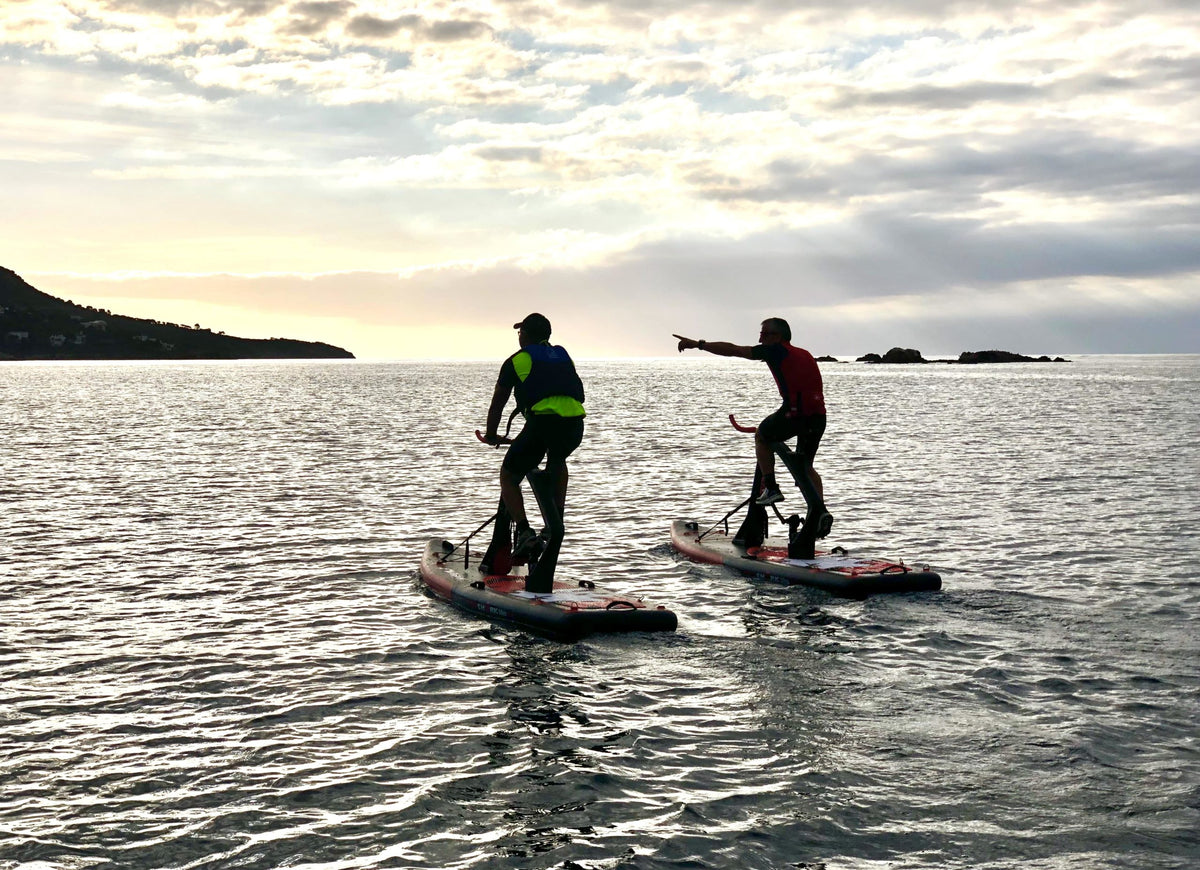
[1149, 74]
[802, 272]
[1067, 162]
[1094, 84]
[314, 17]
[690, 67]
[322, 8]
[637, 14]
[177, 8]
[1174, 69]
[501, 153]
[931, 8]
[254, 8]
[880, 255]
[961, 171]
[453, 31]
[972, 253]
[937, 97]
[788, 182]
[370, 27]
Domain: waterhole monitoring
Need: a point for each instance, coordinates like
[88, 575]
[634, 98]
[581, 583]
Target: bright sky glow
[407, 180]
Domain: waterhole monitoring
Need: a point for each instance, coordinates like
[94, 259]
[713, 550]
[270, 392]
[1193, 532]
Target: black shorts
[807, 429]
[547, 435]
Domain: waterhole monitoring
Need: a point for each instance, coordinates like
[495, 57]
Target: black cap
[536, 326]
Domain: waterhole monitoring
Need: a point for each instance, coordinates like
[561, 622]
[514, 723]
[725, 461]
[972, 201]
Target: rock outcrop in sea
[901, 355]
[895, 355]
[37, 326]
[1002, 356]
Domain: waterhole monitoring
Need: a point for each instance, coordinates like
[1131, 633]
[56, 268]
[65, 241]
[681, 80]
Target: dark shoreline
[37, 326]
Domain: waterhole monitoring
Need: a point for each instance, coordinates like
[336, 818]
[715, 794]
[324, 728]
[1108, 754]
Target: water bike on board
[522, 590]
[795, 561]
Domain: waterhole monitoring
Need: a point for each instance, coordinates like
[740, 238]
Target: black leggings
[807, 430]
[544, 435]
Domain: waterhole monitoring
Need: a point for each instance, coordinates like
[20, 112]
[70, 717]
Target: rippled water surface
[215, 652]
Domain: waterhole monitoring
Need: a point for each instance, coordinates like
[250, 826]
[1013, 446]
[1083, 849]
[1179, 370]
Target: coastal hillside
[37, 326]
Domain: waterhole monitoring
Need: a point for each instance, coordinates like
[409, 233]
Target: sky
[406, 180]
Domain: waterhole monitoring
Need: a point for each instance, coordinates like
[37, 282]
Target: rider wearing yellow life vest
[550, 396]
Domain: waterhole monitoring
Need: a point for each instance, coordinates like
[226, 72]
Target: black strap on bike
[485, 524]
[724, 519]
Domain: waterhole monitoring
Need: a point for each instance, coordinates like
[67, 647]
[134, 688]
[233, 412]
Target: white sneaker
[770, 495]
[525, 542]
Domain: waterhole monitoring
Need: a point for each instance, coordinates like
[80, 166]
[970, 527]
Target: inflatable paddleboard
[835, 571]
[569, 612]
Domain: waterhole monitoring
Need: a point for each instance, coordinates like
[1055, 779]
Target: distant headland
[37, 326]
[903, 355]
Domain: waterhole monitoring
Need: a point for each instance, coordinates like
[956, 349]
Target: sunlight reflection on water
[216, 653]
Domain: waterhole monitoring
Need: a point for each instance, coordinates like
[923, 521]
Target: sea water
[215, 650]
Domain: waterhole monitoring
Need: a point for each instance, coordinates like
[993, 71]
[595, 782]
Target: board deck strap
[834, 571]
[570, 612]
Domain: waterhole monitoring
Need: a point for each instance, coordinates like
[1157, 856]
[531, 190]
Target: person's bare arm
[720, 348]
[496, 410]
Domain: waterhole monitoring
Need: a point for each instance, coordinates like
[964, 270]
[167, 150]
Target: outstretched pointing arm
[720, 348]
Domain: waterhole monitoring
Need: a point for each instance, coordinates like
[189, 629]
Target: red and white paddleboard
[835, 571]
[571, 611]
